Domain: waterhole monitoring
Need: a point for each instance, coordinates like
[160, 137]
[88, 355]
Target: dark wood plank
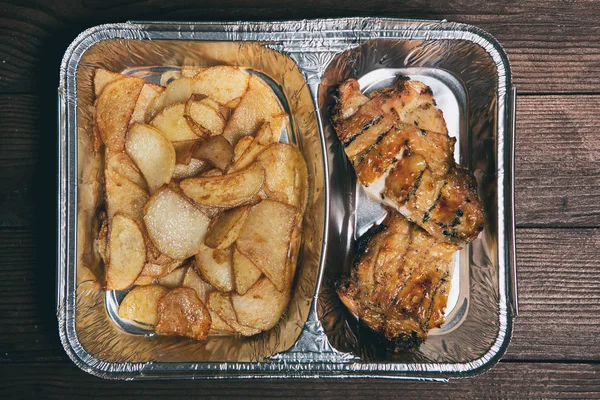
[19, 141]
[559, 281]
[505, 380]
[558, 161]
[28, 324]
[559, 295]
[554, 46]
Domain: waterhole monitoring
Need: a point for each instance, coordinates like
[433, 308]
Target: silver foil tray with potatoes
[303, 62]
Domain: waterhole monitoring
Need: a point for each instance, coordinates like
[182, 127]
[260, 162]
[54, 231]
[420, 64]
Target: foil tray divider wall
[312, 45]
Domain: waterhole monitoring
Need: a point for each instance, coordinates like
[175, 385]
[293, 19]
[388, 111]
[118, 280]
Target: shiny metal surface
[316, 337]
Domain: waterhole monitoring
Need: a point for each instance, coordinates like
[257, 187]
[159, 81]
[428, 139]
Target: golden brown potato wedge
[141, 304]
[172, 123]
[258, 104]
[205, 115]
[265, 239]
[217, 151]
[152, 153]
[102, 240]
[157, 265]
[124, 166]
[194, 168]
[248, 157]
[224, 230]
[219, 326]
[286, 174]
[193, 280]
[225, 191]
[222, 83]
[176, 227]
[114, 108]
[215, 266]
[123, 196]
[174, 279]
[189, 71]
[241, 147]
[221, 304]
[262, 306]
[102, 78]
[245, 272]
[127, 253]
[212, 172]
[147, 95]
[181, 313]
[177, 91]
[183, 151]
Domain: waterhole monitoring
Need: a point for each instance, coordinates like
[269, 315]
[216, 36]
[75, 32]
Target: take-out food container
[303, 61]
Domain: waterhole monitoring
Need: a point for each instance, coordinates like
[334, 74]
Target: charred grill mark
[366, 126]
[437, 199]
[362, 244]
[434, 293]
[377, 142]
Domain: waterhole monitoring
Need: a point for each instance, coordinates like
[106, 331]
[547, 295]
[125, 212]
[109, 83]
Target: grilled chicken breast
[398, 143]
[400, 282]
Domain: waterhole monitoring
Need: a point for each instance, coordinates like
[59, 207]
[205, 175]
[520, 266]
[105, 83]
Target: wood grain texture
[558, 161]
[506, 380]
[559, 282]
[559, 295]
[19, 144]
[554, 46]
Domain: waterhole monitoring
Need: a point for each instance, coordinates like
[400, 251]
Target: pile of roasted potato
[204, 206]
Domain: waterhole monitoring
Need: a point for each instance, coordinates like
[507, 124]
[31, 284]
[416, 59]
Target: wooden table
[554, 48]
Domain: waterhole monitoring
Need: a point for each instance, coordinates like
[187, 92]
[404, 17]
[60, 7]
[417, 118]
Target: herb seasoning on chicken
[397, 141]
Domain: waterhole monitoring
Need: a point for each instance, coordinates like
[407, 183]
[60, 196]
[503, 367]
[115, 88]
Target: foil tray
[303, 61]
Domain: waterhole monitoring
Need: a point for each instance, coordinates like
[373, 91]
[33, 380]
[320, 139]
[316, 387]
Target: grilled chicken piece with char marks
[400, 282]
[398, 143]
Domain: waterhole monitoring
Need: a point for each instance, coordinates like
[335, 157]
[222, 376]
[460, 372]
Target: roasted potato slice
[174, 279]
[189, 71]
[169, 76]
[224, 230]
[248, 157]
[216, 150]
[215, 266]
[194, 168]
[141, 304]
[262, 306]
[102, 78]
[173, 124]
[123, 196]
[222, 83]
[157, 265]
[127, 253]
[193, 280]
[265, 239]
[147, 95]
[225, 191]
[258, 104]
[241, 147]
[183, 151]
[114, 108]
[176, 227]
[244, 271]
[205, 115]
[124, 166]
[220, 303]
[152, 153]
[181, 313]
[177, 91]
[286, 174]
[219, 326]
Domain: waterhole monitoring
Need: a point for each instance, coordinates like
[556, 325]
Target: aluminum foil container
[303, 61]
